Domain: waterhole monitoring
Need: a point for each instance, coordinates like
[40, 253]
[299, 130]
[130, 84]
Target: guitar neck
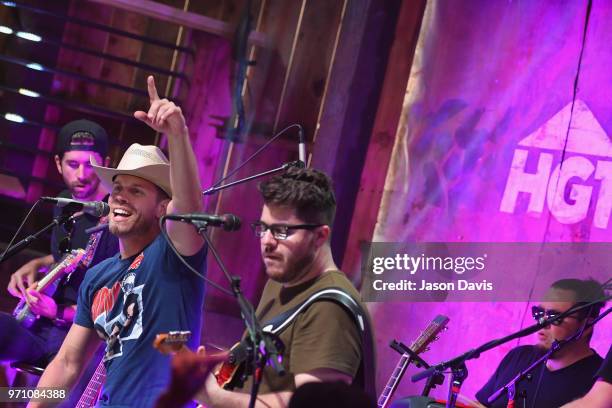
[92, 392]
[52, 275]
[393, 382]
[427, 336]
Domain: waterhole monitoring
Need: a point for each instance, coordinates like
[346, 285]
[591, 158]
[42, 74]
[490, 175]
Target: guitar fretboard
[92, 392]
[417, 347]
[397, 374]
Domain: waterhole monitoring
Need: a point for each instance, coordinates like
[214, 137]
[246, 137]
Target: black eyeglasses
[540, 313]
[280, 231]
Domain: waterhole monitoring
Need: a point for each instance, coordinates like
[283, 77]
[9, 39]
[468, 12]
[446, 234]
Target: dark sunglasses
[540, 313]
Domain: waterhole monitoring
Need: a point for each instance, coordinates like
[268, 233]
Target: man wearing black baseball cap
[75, 143]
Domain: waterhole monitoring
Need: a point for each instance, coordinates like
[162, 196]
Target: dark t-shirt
[605, 371]
[128, 302]
[323, 336]
[68, 287]
[555, 387]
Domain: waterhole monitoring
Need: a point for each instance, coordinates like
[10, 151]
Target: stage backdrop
[506, 138]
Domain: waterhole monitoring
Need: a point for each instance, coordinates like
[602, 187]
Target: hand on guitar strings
[41, 304]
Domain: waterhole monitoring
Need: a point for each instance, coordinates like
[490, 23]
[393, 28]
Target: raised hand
[163, 115]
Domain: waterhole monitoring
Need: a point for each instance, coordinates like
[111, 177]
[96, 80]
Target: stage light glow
[13, 117]
[29, 36]
[6, 30]
[9, 3]
[35, 66]
[27, 92]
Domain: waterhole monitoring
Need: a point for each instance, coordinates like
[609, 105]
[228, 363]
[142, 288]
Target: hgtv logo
[569, 188]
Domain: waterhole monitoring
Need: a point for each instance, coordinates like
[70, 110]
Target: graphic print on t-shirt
[117, 314]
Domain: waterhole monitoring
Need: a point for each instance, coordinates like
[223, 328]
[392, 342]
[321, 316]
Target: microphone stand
[556, 345]
[457, 364]
[59, 220]
[212, 190]
[264, 350]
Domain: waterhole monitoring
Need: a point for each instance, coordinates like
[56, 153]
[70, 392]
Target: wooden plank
[383, 134]
[185, 18]
[309, 66]
[351, 101]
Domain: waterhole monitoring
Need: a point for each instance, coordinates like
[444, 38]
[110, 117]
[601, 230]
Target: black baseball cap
[82, 135]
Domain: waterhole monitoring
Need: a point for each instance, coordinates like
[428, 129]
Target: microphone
[228, 222]
[95, 208]
[302, 146]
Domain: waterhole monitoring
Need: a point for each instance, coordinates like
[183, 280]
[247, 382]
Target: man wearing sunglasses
[323, 343]
[568, 373]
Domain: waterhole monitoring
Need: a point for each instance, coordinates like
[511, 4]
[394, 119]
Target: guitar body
[233, 372]
[23, 314]
[226, 375]
[229, 374]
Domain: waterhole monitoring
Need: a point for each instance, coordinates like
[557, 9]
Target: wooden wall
[323, 65]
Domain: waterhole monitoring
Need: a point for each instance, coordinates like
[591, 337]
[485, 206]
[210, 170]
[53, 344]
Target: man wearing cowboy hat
[163, 294]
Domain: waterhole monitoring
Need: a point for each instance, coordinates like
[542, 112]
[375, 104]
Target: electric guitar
[229, 374]
[418, 346]
[94, 386]
[69, 263]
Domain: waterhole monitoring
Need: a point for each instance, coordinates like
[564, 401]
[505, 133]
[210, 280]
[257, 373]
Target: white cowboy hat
[147, 162]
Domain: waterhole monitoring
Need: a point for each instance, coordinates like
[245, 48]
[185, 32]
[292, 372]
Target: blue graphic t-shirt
[128, 302]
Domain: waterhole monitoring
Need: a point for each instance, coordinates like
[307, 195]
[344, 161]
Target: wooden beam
[384, 133]
[185, 18]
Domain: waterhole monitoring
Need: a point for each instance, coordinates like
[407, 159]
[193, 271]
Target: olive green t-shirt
[323, 336]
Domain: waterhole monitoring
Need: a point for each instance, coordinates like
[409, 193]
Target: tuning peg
[445, 328]
[427, 349]
[436, 338]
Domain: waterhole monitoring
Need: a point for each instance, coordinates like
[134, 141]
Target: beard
[87, 190]
[137, 226]
[292, 270]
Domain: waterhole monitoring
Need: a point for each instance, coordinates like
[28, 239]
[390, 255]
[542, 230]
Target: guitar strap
[334, 294]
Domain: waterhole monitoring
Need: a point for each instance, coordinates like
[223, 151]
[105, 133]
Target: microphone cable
[19, 229]
[241, 165]
[164, 232]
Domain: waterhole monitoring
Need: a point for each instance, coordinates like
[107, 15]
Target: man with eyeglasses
[569, 373]
[324, 342]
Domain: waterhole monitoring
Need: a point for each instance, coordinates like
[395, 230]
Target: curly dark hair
[308, 191]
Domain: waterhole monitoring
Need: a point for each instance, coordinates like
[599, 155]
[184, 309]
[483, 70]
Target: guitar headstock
[430, 333]
[171, 342]
[72, 260]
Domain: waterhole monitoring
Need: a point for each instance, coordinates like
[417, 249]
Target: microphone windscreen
[231, 222]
